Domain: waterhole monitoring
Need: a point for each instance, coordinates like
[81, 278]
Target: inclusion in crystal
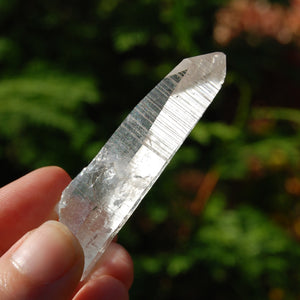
[98, 202]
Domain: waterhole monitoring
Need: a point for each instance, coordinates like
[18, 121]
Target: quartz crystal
[98, 202]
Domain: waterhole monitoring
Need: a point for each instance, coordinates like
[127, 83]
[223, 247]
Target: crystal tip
[214, 65]
[218, 60]
[211, 66]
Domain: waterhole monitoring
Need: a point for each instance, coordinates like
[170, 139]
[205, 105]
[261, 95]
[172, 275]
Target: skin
[40, 257]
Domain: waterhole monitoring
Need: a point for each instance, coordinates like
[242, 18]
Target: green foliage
[223, 221]
[228, 243]
[44, 100]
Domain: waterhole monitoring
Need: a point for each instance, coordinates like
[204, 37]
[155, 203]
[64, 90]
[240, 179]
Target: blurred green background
[223, 221]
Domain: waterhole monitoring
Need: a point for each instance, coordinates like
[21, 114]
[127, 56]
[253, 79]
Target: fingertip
[47, 253]
[53, 174]
[115, 262]
[122, 263]
[47, 263]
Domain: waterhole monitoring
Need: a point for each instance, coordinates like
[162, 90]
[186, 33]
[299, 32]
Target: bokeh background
[223, 221]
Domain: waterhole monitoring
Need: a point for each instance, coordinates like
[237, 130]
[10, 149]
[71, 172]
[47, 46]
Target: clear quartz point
[99, 200]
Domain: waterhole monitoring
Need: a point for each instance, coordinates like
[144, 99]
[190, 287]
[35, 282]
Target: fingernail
[47, 253]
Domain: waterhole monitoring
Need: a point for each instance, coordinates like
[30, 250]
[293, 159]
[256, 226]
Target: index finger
[27, 202]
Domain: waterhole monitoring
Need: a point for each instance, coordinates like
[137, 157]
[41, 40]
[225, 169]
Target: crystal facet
[98, 202]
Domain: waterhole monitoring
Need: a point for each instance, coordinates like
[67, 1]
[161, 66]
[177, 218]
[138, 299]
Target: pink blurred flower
[257, 18]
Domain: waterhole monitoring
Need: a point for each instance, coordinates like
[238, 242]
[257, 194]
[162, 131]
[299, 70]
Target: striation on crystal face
[97, 203]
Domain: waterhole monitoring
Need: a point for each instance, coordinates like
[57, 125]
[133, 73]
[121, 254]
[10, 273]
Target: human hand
[40, 258]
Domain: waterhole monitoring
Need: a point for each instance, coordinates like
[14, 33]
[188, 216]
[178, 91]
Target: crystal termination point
[99, 200]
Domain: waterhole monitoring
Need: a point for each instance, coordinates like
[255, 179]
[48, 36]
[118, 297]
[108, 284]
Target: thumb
[45, 264]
